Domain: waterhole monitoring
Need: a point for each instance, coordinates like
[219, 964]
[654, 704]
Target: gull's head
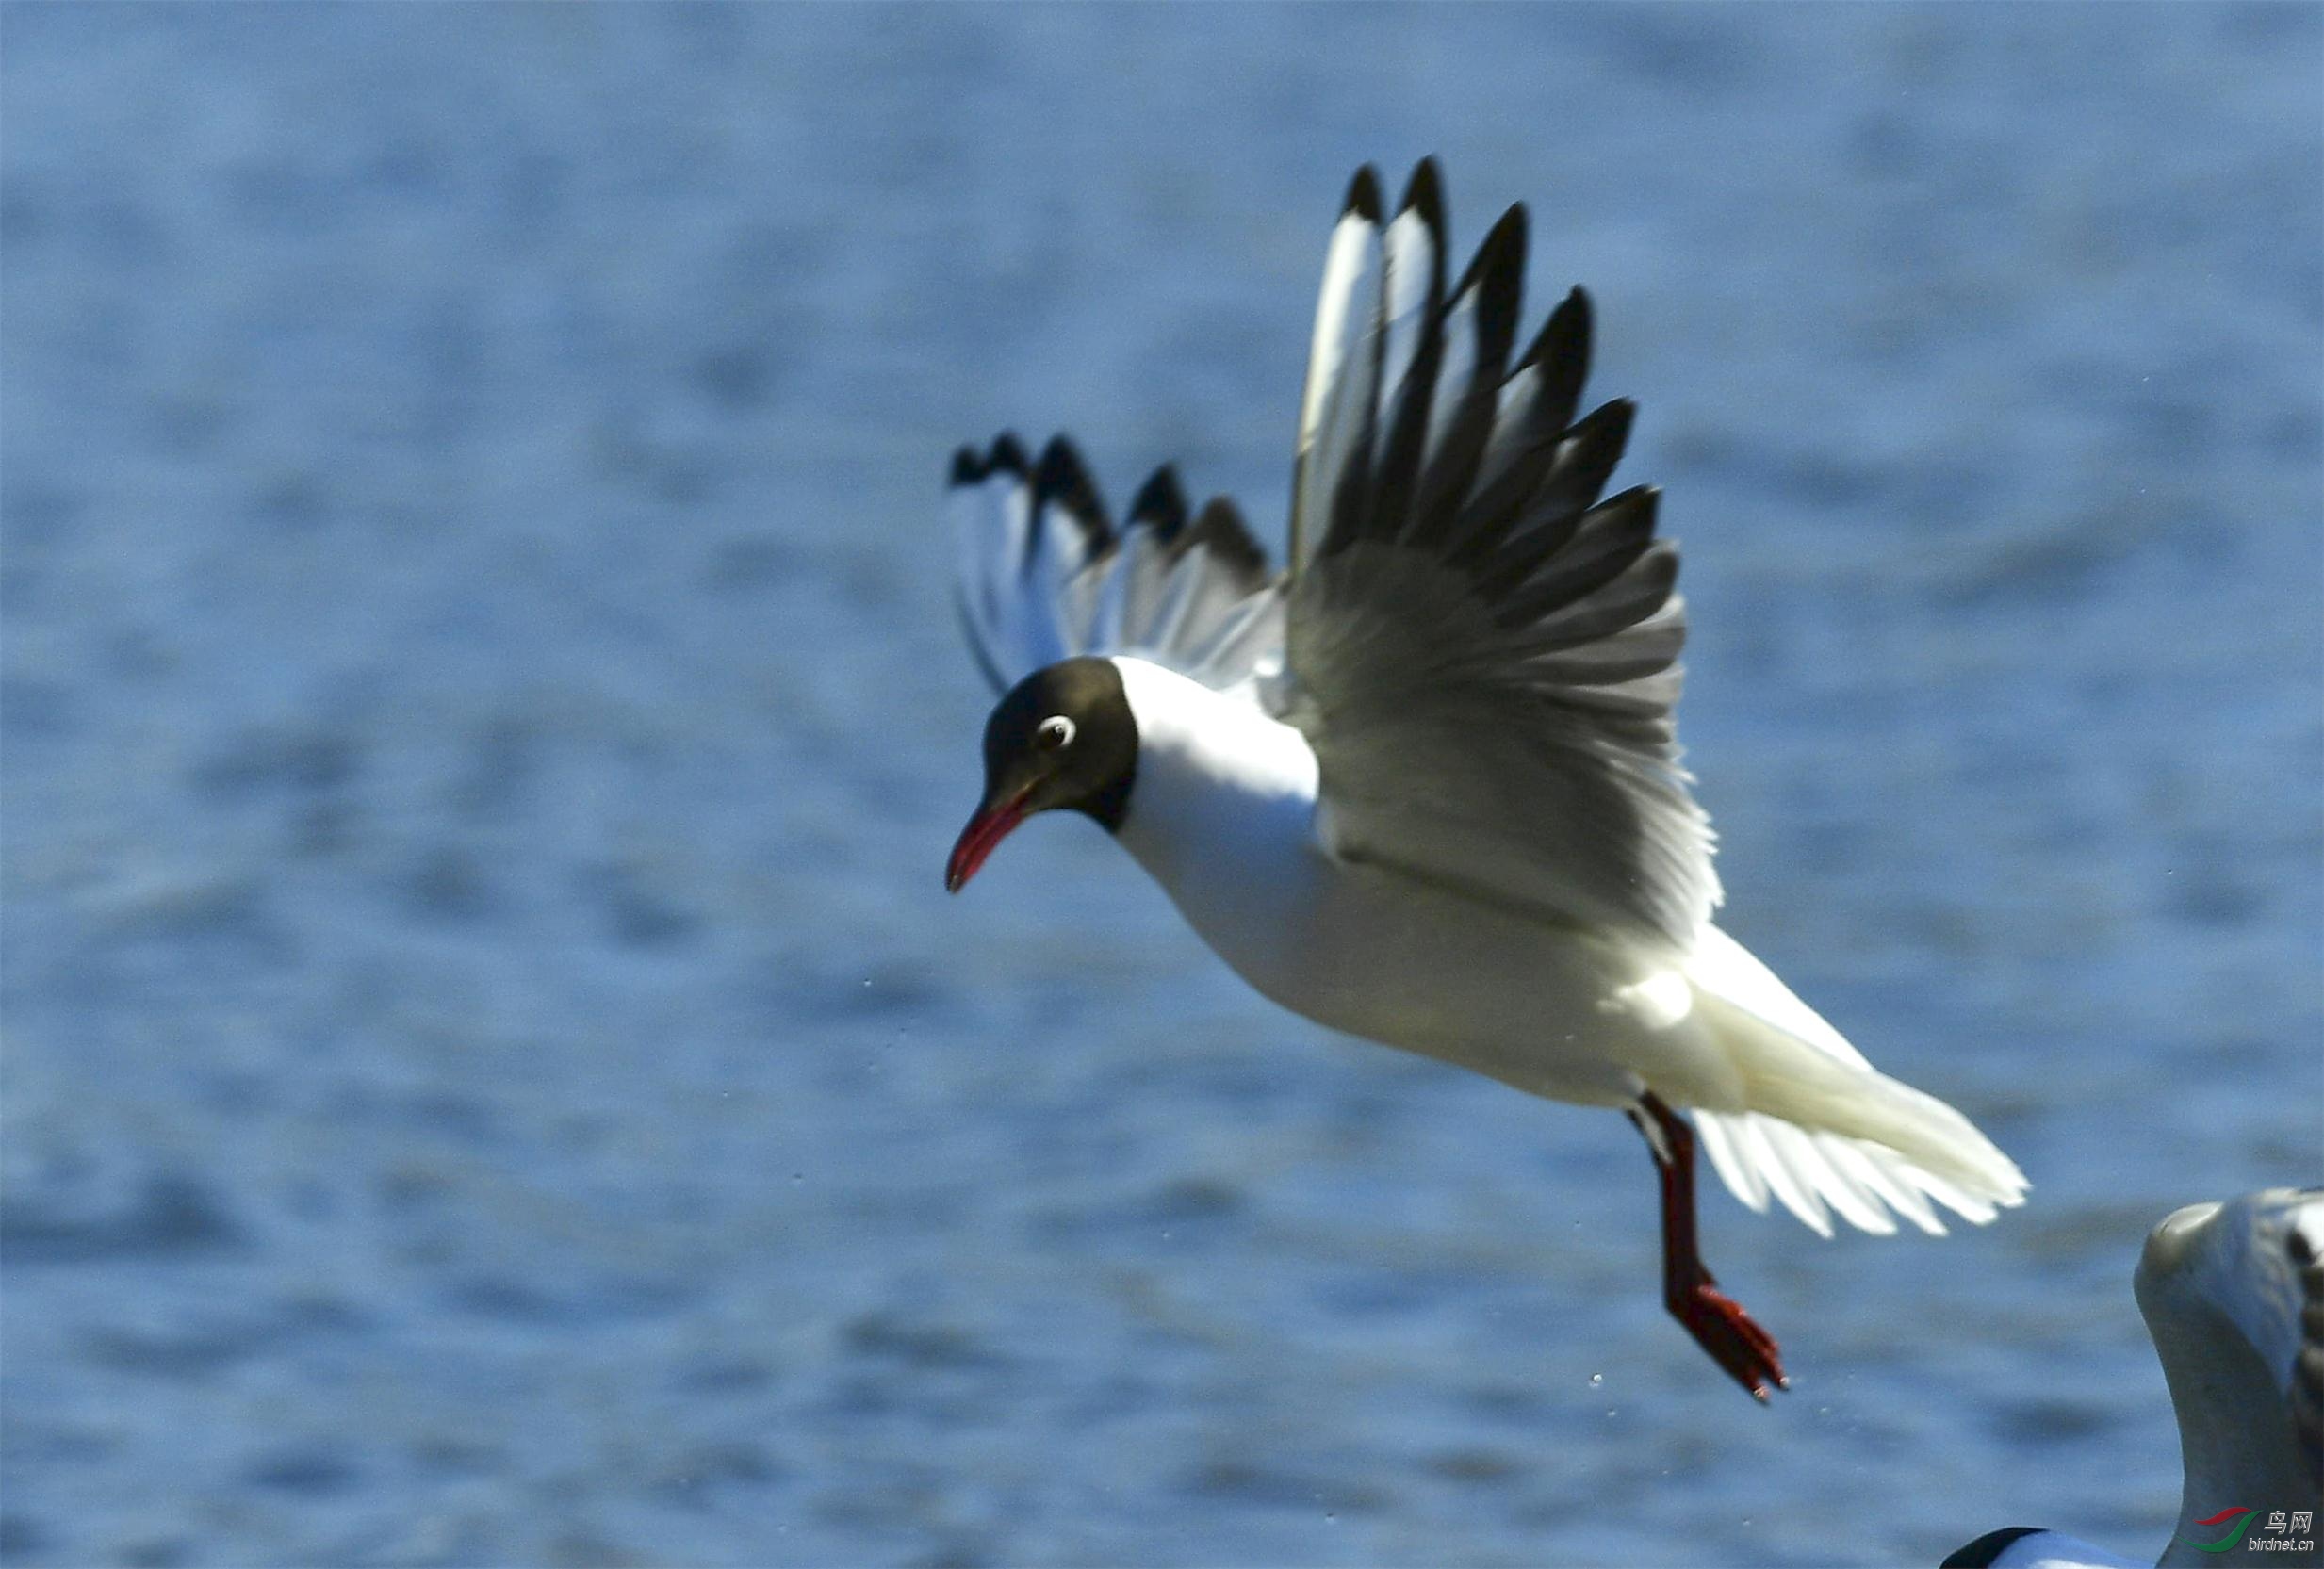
[1063, 738]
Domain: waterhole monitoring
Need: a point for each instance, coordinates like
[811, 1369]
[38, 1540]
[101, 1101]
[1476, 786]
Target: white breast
[1221, 814]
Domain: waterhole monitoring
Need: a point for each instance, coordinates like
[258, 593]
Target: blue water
[491, 1076]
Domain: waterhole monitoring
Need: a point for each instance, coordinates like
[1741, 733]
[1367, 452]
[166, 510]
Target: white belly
[1371, 952]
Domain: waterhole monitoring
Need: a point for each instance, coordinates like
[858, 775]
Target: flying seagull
[1423, 785]
[2233, 1296]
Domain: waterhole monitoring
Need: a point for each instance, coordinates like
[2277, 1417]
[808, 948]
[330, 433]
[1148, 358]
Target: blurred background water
[491, 1075]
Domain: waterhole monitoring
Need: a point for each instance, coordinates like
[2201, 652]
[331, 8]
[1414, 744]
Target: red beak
[982, 836]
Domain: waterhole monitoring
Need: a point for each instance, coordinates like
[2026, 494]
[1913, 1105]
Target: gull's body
[1225, 820]
[1423, 787]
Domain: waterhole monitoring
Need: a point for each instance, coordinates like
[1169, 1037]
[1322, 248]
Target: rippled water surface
[491, 1075]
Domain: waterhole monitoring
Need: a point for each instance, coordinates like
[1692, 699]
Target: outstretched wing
[1483, 652]
[1044, 575]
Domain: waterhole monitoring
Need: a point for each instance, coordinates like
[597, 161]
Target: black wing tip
[1504, 243]
[1424, 193]
[1363, 195]
[1580, 312]
[1566, 332]
[1593, 445]
[971, 466]
[1219, 528]
[1062, 477]
[1160, 505]
[1614, 416]
[1647, 499]
[1060, 455]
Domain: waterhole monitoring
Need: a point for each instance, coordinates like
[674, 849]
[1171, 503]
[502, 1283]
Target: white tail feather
[1821, 1129]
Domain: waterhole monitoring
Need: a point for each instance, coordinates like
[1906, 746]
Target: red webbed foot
[1731, 1336]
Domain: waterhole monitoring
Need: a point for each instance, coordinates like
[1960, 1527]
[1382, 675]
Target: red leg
[1716, 1320]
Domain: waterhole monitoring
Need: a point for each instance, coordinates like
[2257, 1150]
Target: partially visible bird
[1424, 786]
[2233, 1296]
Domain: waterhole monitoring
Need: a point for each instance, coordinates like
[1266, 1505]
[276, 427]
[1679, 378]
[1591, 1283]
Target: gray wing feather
[1044, 575]
[1483, 652]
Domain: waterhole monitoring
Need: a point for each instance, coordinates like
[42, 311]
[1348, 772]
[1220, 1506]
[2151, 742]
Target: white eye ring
[1056, 733]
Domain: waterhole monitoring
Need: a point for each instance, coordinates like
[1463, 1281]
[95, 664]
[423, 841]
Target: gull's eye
[1056, 734]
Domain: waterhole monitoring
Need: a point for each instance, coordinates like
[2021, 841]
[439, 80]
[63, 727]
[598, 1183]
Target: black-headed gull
[2233, 1296]
[1423, 786]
